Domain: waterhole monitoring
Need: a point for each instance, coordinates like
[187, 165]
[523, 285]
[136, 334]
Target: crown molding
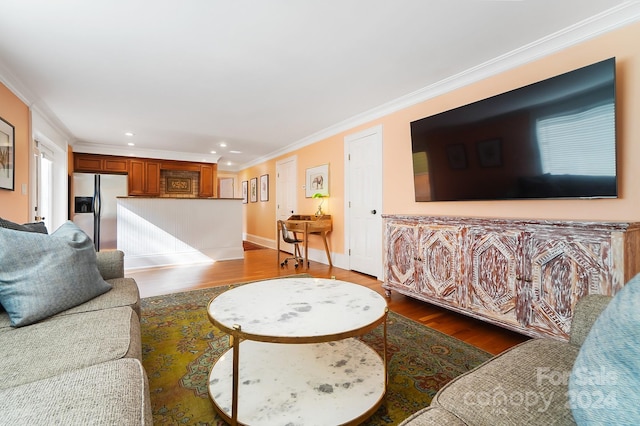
[15, 86]
[624, 14]
[131, 151]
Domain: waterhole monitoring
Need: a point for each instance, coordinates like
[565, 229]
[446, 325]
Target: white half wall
[177, 231]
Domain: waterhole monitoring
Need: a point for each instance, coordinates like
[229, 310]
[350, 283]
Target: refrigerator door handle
[97, 203]
[97, 206]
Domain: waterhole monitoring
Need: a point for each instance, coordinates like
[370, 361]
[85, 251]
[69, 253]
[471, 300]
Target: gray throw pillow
[27, 227]
[41, 275]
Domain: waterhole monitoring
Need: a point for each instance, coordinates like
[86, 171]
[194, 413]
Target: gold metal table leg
[235, 341]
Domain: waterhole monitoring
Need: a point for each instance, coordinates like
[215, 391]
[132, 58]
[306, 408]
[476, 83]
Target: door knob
[373, 211]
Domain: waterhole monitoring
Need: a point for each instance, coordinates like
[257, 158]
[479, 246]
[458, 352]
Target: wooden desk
[309, 224]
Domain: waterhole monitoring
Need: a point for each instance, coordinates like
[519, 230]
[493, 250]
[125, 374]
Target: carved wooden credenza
[525, 275]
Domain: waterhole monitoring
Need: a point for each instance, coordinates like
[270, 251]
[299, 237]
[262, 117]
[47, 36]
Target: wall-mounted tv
[552, 139]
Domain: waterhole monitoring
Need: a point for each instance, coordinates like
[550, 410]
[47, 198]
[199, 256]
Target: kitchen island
[156, 231]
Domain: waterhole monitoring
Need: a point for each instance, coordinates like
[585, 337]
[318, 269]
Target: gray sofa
[525, 385]
[80, 366]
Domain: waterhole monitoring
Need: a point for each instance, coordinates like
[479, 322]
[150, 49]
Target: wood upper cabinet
[144, 177]
[523, 275]
[99, 163]
[144, 173]
[207, 185]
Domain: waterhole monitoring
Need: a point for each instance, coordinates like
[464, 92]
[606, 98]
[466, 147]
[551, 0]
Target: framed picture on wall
[7, 155]
[245, 192]
[253, 188]
[317, 181]
[264, 188]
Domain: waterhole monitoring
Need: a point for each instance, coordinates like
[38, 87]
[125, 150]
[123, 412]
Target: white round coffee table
[294, 358]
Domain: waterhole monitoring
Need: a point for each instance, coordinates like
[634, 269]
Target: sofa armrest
[110, 264]
[587, 310]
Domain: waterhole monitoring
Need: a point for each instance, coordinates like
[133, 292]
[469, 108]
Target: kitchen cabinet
[144, 177]
[92, 163]
[525, 275]
[145, 173]
[207, 186]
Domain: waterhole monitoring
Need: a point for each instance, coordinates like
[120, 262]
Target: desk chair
[290, 237]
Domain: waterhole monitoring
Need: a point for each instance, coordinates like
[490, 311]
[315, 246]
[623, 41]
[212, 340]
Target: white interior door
[286, 198]
[226, 187]
[364, 195]
[44, 188]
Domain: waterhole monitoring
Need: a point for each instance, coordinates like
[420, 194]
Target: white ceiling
[262, 75]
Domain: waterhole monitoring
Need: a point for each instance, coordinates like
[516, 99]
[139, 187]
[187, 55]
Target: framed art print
[7, 155]
[253, 188]
[245, 192]
[317, 181]
[264, 188]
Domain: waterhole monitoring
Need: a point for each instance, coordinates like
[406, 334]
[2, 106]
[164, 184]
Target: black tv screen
[551, 139]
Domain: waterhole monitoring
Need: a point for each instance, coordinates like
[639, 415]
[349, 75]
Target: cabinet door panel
[136, 177]
[563, 270]
[439, 262]
[402, 252]
[206, 188]
[494, 260]
[152, 176]
[87, 163]
[115, 165]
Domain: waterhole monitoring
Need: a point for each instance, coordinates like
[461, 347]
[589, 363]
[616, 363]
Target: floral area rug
[179, 346]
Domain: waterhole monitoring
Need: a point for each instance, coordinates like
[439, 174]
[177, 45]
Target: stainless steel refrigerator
[94, 206]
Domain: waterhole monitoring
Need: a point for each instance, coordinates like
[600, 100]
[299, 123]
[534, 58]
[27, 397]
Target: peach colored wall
[398, 197]
[261, 216]
[13, 204]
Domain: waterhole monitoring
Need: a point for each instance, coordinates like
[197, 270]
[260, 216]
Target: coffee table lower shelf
[331, 383]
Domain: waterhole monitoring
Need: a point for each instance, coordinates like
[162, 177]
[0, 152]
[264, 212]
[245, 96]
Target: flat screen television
[553, 139]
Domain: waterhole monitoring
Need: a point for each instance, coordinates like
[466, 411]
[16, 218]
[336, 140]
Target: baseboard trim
[183, 258]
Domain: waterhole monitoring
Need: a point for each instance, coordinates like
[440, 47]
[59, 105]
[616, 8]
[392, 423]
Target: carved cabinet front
[523, 275]
[494, 264]
[425, 259]
[562, 269]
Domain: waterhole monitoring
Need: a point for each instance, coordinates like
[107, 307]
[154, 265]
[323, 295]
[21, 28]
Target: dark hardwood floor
[261, 264]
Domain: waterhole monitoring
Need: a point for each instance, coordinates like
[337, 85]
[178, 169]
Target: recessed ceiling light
[213, 152]
[235, 152]
[229, 163]
[131, 144]
[223, 144]
[129, 134]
